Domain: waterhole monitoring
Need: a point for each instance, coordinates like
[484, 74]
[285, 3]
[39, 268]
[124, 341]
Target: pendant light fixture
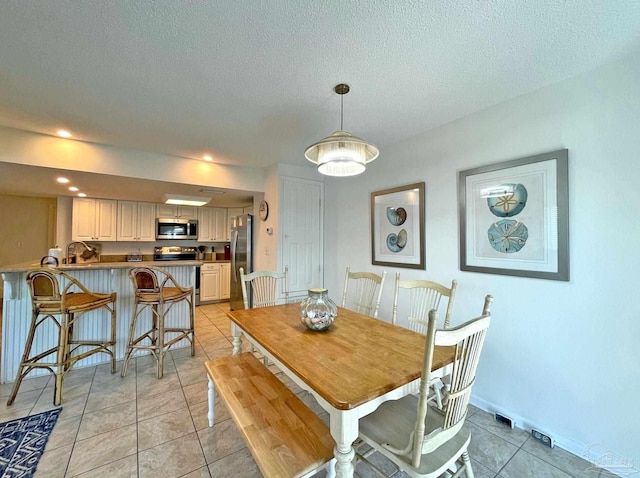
[341, 154]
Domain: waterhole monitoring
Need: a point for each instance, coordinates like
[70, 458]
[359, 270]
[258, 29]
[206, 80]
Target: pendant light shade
[341, 154]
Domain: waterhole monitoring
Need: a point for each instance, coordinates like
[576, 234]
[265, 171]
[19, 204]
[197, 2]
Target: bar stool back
[156, 289]
[64, 307]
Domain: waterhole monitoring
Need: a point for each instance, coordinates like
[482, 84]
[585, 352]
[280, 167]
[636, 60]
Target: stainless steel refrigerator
[241, 256]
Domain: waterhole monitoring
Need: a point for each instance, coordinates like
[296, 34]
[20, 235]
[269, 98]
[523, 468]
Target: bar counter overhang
[97, 277]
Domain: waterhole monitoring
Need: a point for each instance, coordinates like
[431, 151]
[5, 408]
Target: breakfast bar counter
[97, 277]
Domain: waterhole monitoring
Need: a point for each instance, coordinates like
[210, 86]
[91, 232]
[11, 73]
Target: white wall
[561, 356]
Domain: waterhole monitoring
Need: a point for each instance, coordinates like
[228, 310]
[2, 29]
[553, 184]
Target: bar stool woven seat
[54, 300]
[156, 289]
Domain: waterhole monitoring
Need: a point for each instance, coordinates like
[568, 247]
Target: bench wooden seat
[284, 436]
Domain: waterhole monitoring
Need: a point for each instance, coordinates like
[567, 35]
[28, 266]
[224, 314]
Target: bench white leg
[331, 469]
[211, 398]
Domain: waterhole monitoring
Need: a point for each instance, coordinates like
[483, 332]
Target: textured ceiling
[251, 82]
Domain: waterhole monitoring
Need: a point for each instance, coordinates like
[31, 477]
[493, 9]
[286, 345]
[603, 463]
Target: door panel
[301, 215]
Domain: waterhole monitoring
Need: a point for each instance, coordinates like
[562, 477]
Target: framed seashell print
[397, 227]
[514, 217]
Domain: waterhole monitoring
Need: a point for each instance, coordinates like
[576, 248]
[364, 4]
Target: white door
[301, 212]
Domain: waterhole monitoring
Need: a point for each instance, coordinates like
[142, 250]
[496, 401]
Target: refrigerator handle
[234, 243]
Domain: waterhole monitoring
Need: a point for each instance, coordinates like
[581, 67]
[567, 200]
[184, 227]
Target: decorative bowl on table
[318, 311]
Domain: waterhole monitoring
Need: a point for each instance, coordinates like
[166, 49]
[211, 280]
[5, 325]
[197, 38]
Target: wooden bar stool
[53, 299]
[157, 290]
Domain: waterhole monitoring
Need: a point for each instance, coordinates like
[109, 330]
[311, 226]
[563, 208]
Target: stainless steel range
[179, 253]
[174, 253]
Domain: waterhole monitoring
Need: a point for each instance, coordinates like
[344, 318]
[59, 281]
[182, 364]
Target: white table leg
[236, 332]
[211, 399]
[344, 430]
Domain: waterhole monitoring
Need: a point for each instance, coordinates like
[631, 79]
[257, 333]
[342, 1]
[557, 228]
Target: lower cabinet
[214, 281]
[225, 278]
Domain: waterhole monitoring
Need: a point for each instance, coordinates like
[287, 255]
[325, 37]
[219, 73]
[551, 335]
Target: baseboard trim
[582, 450]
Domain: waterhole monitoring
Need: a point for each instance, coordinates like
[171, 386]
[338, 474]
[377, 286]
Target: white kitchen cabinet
[221, 226]
[136, 221]
[225, 277]
[214, 281]
[209, 282]
[94, 219]
[231, 213]
[173, 210]
[212, 224]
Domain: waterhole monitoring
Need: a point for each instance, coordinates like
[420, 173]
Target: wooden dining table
[350, 369]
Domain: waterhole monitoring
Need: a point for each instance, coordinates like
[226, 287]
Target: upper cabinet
[212, 224]
[94, 219]
[136, 221]
[110, 220]
[231, 213]
[173, 210]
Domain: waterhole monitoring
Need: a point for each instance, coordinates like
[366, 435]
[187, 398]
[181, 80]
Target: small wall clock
[264, 210]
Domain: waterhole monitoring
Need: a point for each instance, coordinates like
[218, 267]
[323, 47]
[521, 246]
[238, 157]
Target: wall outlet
[542, 438]
[504, 420]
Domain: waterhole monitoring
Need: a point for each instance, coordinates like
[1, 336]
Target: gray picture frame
[387, 226]
[540, 229]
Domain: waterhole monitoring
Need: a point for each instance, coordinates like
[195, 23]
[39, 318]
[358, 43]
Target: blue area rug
[22, 443]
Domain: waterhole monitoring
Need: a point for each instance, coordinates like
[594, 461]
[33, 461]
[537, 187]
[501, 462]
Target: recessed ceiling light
[73, 188]
[62, 180]
[63, 133]
[82, 195]
[207, 158]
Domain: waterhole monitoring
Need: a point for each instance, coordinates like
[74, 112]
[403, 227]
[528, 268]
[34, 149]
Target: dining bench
[285, 437]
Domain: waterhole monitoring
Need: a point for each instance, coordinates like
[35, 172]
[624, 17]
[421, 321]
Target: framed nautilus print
[514, 217]
[397, 227]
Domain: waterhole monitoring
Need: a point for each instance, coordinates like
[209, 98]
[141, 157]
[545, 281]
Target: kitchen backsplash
[123, 248]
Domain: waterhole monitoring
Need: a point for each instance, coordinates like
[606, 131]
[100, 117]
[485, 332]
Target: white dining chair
[425, 442]
[365, 292]
[423, 296]
[262, 288]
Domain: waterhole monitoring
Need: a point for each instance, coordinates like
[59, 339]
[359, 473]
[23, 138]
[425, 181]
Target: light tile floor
[139, 426]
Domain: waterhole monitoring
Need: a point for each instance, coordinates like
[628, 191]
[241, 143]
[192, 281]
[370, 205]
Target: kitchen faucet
[85, 255]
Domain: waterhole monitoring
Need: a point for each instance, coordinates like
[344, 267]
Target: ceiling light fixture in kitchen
[341, 154]
[63, 133]
[62, 180]
[73, 188]
[207, 158]
[185, 200]
[82, 195]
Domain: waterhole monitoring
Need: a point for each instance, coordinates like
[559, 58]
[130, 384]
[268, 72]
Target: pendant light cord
[341, 110]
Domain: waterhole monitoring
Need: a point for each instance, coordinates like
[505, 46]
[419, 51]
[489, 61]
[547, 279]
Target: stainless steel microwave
[173, 228]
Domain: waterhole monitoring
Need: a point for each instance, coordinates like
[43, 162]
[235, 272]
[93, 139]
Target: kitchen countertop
[100, 265]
